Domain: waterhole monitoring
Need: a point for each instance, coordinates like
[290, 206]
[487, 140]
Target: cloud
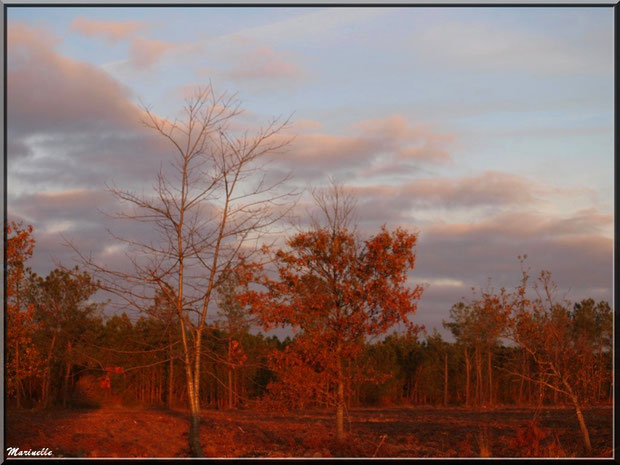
[79, 216]
[494, 189]
[111, 31]
[574, 247]
[70, 206]
[413, 142]
[322, 23]
[146, 52]
[484, 47]
[249, 55]
[264, 63]
[48, 92]
[529, 225]
[368, 147]
[69, 123]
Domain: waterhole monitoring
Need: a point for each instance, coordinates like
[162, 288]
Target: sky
[488, 131]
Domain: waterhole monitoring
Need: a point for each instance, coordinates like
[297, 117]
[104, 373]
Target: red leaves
[23, 358]
[104, 382]
[336, 290]
[237, 356]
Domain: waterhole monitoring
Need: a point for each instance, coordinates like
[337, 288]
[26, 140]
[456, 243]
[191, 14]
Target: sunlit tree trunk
[170, 377]
[340, 403]
[45, 387]
[230, 375]
[467, 378]
[521, 384]
[445, 379]
[582, 423]
[65, 387]
[478, 360]
[490, 370]
[18, 388]
[583, 427]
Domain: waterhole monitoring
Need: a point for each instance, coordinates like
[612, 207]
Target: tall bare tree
[209, 208]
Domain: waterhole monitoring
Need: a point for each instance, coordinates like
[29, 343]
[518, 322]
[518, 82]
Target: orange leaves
[237, 356]
[19, 244]
[335, 290]
[19, 247]
[23, 359]
[104, 382]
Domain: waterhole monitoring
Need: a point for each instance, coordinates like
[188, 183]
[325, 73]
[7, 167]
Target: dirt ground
[372, 432]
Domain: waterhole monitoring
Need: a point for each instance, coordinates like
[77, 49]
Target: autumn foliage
[340, 295]
[23, 359]
[335, 291]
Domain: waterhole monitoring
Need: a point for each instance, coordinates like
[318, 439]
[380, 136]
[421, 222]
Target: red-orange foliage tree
[22, 357]
[335, 290]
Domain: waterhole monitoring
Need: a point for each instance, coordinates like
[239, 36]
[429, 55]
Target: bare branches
[207, 204]
[336, 206]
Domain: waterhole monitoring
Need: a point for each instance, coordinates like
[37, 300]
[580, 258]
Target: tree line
[62, 350]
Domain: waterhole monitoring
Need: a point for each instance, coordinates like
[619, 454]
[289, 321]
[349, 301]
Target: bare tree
[543, 328]
[336, 209]
[209, 210]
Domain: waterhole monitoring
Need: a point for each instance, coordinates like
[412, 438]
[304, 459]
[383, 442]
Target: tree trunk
[582, 426]
[170, 378]
[521, 384]
[45, 388]
[541, 392]
[230, 375]
[478, 359]
[467, 378]
[580, 419]
[490, 369]
[194, 426]
[445, 379]
[340, 404]
[193, 391]
[65, 387]
[192, 399]
[18, 393]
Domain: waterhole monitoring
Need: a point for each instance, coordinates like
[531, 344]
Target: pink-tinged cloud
[265, 63]
[491, 188]
[330, 150]
[72, 205]
[574, 248]
[306, 125]
[112, 31]
[146, 52]
[48, 92]
[370, 147]
[523, 225]
[76, 117]
[408, 141]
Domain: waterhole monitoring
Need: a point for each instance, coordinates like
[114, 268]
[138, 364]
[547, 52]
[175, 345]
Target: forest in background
[62, 351]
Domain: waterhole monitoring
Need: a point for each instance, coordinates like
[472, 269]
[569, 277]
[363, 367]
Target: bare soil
[372, 432]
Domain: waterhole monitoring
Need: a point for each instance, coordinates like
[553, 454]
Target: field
[372, 432]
